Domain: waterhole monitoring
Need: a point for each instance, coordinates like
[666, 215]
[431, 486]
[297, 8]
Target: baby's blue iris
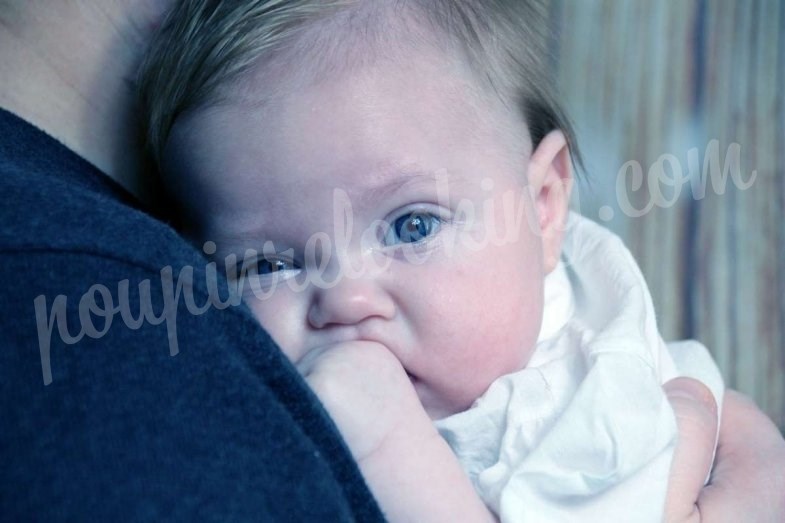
[265, 266]
[414, 227]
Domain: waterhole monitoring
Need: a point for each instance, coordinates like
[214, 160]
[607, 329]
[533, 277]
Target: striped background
[644, 79]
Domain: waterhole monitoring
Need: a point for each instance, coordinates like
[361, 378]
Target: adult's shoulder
[58, 211]
[116, 403]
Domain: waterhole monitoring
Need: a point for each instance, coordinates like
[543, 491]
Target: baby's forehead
[203, 54]
[317, 79]
[345, 43]
[387, 108]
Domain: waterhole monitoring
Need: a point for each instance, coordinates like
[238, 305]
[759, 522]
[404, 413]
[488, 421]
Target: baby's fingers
[696, 417]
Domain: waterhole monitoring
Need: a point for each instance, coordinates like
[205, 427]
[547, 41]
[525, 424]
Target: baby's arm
[410, 469]
[415, 477]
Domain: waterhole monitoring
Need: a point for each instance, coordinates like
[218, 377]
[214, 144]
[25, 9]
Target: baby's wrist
[414, 436]
[414, 472]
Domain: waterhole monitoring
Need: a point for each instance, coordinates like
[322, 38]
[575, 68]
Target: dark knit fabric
[223, 430]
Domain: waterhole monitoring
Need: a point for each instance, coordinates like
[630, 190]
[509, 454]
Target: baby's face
[411, 155]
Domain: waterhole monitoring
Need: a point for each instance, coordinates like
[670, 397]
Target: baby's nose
[348, 302]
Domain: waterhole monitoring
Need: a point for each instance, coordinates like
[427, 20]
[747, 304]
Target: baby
[387, 183]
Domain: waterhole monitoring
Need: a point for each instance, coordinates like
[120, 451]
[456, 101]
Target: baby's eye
[262, 272]
[266, 266]
[412, 227]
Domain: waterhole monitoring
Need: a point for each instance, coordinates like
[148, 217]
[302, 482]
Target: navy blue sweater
[98, 420]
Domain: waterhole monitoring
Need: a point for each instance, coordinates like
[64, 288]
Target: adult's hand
[748, 479]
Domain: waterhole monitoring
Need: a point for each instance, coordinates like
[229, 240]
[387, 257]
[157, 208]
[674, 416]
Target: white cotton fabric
[584, 432]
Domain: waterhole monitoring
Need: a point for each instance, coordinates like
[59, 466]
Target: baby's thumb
[696, 417]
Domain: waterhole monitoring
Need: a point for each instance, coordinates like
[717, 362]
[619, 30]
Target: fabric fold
[585, 431]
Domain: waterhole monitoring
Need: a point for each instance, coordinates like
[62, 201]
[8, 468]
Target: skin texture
[390, 137]
[86, 98]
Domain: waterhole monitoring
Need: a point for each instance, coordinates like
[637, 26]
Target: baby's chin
[435, 409]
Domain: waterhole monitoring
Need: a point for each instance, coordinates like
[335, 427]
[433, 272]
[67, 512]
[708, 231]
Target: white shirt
[584, 432]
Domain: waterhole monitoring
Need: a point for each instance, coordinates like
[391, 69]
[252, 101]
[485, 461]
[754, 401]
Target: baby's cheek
[505, 334]
[485, 346]
[279, 317]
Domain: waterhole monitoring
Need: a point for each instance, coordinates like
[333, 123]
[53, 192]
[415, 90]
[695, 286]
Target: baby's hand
[368, 394]
[410, 469]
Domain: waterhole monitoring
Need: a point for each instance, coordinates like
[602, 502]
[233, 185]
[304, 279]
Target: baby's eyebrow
[395, 179]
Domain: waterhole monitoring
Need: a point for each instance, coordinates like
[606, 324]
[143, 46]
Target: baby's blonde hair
[204, 45]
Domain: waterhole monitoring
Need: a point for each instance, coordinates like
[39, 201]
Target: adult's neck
[69, 68]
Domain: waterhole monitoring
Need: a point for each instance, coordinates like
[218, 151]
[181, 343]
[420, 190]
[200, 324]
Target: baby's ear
[550, 179]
